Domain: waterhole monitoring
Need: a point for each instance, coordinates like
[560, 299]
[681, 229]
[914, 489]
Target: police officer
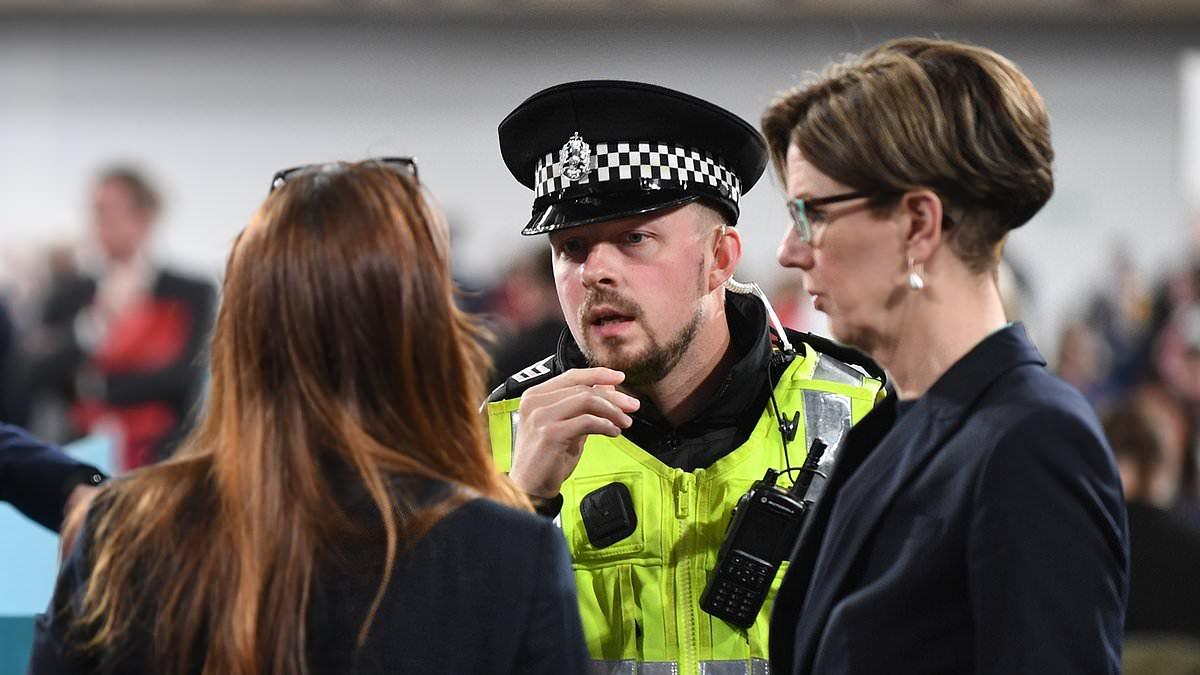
[667, 396]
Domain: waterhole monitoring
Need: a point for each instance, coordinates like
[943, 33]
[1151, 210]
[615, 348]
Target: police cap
[602, 149]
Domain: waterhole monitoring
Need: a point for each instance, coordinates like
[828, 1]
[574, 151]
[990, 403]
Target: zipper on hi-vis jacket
[686, 507]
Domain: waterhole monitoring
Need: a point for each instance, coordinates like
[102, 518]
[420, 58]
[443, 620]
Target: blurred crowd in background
[98, 337]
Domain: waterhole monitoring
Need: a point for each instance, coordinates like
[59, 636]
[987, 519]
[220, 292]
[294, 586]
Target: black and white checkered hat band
[619, 162]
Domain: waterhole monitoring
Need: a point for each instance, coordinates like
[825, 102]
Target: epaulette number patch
[536, 370]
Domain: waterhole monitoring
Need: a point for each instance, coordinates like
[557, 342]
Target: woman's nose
[794, 252]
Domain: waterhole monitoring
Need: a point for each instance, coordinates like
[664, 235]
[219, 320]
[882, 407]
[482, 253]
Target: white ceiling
[1000, 9]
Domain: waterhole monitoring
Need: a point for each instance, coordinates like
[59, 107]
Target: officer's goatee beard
[650, 365]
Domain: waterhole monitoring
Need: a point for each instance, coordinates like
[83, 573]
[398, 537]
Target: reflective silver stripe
[752, 667]
[833, 370]
[631, 667]
[826, 416]
[514, 419]
[628, 667]
[741, 667]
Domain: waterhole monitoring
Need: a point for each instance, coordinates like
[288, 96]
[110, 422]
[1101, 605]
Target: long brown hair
[338, 350]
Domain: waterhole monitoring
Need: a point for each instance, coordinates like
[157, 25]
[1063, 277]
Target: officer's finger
[624, 401]
[581, 376]
[585, 425]
[533, 400]
[591, 402]
[579, 402]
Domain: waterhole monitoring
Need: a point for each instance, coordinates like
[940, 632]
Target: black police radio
[762, 531]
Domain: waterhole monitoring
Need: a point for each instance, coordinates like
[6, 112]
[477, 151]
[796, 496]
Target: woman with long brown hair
[336, 509]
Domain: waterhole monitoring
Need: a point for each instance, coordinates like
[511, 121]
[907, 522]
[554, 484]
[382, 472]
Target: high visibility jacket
[640, 596]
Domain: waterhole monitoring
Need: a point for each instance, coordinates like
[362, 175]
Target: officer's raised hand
[556, 418]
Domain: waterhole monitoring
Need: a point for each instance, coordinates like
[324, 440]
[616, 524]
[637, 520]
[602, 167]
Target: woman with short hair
[974, 520]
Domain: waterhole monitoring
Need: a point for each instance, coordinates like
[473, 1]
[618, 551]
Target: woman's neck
[940, 325]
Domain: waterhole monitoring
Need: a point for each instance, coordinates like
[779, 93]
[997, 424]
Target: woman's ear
[727, 253]
[924, 211]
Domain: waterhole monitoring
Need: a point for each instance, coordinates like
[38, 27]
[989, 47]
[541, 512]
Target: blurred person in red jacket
[120, 345]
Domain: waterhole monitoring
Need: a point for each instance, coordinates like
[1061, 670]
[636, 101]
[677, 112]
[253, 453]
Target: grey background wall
[212, 106]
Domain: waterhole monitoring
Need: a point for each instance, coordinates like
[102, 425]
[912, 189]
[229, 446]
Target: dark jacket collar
[964, 382]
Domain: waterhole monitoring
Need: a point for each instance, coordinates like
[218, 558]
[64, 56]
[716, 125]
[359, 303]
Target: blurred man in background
[1164, 596]
[1162, 620]
[120, 345]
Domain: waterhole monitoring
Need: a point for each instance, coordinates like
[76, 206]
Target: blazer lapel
[860, 504]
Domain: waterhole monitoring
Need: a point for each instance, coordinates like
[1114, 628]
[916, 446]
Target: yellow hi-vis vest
[640, 597]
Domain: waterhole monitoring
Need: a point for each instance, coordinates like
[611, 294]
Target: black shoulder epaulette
[848, 355]
[516, 385]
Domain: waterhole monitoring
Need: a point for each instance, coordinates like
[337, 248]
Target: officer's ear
[727, 252]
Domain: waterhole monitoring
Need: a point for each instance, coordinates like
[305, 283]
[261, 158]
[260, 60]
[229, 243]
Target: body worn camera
[762, 532]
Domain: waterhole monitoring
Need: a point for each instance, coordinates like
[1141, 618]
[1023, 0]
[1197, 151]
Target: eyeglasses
[804, 217]
[404, 165]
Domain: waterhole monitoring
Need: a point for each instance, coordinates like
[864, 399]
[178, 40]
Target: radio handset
[764, 529]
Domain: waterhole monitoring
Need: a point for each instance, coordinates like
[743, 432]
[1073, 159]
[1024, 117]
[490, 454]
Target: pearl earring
[915, 281]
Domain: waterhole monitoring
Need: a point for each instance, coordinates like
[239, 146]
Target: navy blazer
[981, 532]
[488, 591]
[37, 478]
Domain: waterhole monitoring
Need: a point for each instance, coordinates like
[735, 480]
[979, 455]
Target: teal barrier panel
[29, 565]
[16, 635]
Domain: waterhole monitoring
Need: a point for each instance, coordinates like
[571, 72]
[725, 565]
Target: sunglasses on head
[403, 165]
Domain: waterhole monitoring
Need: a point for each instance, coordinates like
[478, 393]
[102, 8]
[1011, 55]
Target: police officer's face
[632, 289]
